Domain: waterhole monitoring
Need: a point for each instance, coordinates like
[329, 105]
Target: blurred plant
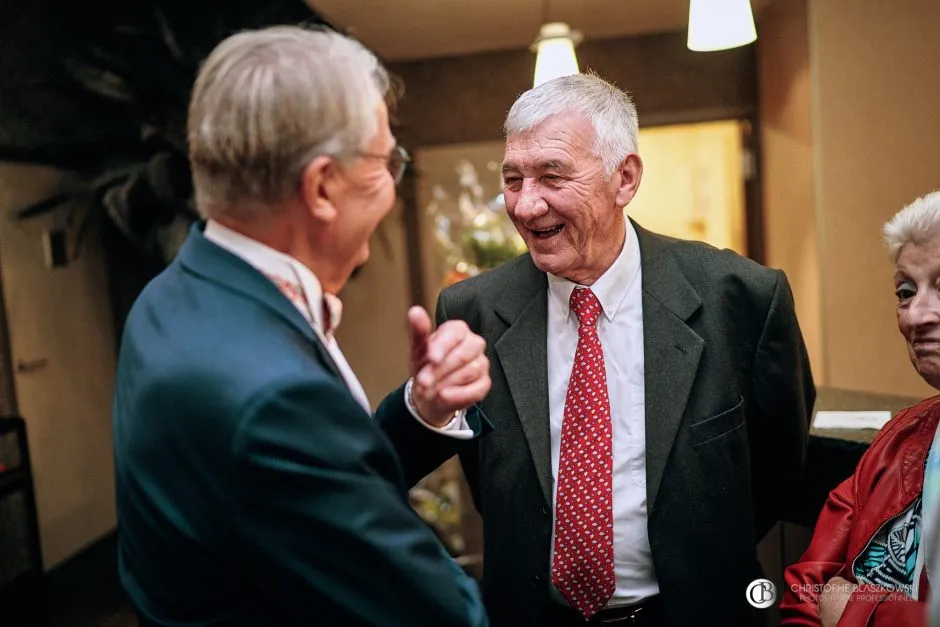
[436, 498]
[473, 233]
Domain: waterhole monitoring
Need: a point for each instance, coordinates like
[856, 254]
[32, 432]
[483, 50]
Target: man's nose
[530, 203]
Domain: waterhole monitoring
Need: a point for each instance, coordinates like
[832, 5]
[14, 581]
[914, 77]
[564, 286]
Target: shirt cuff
[457, 428]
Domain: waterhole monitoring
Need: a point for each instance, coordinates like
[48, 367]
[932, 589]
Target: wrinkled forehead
[557, 139]
[920, 256]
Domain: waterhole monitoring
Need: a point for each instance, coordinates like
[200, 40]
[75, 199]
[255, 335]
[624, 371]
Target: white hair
[269, 101]
[610, 111]
[916, 223]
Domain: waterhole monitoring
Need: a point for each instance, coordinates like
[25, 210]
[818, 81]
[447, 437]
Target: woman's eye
[904, 291]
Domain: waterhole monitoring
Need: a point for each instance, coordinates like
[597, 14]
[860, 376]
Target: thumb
[419, 329]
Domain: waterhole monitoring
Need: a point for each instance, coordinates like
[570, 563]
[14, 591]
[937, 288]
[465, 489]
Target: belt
[647, 613]
[643, 613]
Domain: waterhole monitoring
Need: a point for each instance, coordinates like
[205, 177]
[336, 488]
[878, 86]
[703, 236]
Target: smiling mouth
[546, 233]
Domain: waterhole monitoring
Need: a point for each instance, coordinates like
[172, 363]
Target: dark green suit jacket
[729, 395]
[252, 489]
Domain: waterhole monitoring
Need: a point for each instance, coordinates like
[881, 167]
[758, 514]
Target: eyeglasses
[396, 161]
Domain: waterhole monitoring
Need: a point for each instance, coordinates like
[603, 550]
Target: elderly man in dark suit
[254, 488]
[651, 397]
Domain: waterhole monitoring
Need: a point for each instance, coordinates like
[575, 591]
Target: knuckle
[457, 327]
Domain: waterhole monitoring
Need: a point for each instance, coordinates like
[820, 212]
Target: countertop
[848, 400]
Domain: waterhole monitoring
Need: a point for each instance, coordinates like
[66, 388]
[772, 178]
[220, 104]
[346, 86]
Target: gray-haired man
[253, 486]
[651, 397]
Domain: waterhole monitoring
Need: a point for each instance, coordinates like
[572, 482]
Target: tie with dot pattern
[583, 556]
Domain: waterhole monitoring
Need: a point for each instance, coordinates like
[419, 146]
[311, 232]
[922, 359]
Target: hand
[833, 600]
[450, 370]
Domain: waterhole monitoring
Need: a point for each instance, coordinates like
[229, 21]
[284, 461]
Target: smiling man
[651, 397]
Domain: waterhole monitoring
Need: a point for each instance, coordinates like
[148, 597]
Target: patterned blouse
[890, 560]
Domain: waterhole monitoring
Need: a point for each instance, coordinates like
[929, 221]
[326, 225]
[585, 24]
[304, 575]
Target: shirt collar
[279, 266]
[612, 286]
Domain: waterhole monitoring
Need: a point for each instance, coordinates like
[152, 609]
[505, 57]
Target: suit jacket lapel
[671, 349]
[201, 257]
[672, 352]
[522, 353]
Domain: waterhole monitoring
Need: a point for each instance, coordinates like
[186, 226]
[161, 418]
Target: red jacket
[889, 477]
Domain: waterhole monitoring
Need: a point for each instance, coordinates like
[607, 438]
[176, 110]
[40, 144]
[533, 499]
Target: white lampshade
[555, 52]
[720, 24]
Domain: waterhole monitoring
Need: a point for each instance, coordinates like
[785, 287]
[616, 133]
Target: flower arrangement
[475, 234]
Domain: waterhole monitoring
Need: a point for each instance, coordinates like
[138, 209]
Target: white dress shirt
[620, 330]
[309, 297]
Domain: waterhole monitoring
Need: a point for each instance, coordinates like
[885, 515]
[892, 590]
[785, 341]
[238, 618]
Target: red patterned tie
[583, 557]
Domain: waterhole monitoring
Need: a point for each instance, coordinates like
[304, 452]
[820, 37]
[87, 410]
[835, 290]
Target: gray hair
[610, 111]
[916, 223]
[266, 103]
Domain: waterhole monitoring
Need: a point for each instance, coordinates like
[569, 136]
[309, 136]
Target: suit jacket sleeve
[324, 521]
[421, 450]
[784, 395]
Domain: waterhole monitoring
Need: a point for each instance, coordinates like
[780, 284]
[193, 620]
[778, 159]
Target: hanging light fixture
[554, 50]
[720, 24]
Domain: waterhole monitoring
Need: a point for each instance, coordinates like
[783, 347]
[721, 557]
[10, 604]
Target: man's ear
[316, 181]
[629, 173]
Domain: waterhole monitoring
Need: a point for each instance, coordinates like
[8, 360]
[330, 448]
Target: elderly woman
[869, 563]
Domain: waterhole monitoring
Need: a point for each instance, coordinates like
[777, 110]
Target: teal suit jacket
[252, 489]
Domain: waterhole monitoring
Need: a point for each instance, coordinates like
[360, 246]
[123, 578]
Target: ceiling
[414, 29]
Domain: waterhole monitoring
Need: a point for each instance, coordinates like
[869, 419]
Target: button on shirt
[620, 329]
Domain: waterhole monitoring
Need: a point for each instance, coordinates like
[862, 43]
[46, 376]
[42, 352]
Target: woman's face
[917, 286]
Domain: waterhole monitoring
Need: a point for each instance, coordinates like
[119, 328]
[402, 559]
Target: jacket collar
[205, 259]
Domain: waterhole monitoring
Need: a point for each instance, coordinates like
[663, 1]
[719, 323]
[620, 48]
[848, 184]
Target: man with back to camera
[253, 486]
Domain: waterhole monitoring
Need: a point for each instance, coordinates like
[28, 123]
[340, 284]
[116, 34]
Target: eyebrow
[539, 167]
[553, 165]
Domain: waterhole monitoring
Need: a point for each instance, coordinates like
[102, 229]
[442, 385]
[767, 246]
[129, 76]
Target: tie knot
[585, 306]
